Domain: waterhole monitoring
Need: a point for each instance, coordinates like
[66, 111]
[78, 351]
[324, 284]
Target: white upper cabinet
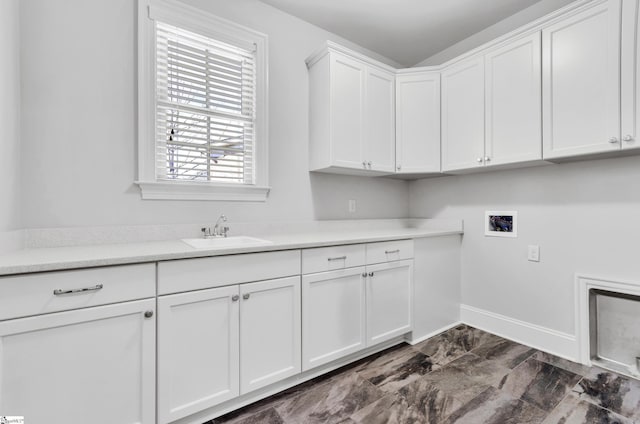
[630, 74]
[346, 111]
[352, 115]
[418, 123]
[565, 86]
[463, 115]
[513, 102]
[491, 108]
[379, 120]
[581, 77]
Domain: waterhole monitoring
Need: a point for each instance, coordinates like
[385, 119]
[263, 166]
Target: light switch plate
[533, 253]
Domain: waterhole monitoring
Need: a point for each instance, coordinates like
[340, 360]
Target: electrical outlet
[533, 253]
[352, 206]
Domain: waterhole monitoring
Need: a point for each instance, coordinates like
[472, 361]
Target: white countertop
[85, 256]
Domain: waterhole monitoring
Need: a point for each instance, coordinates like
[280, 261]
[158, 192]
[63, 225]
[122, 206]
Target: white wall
[10, 191]
[511, 23]
[9, 115]
[584, 215]
[79, 145]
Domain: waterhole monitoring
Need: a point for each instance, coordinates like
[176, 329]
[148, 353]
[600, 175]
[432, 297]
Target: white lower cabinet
[93, 365]
[333, 315]
[270, 339]
[198, 351]
[389, 289]
[350, 309]
[216, 344]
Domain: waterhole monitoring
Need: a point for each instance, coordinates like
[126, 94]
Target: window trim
[196, 20]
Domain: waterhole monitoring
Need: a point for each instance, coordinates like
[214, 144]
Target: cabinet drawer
[33, 294]
[386, 251]
[201, 273]
[323, 259]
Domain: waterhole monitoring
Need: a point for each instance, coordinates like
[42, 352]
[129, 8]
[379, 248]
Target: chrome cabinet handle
[628, 137]
[388, 252]
[364, 163]
[235, 298]
[479, 160]
[399, 167]
[371, 274]
[364, 274]
[369, 164]
[487, 158]
[58, 292]
[613, 140]
[246, 296]
[338, 258]
[148, 314]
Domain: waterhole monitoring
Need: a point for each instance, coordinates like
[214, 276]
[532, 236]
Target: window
[202, 101]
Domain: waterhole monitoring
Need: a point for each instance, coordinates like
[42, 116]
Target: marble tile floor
[463, 375]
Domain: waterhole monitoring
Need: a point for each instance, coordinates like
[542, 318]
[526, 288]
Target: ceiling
[407, 31]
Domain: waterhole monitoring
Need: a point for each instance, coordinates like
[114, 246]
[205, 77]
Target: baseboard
[546, 339]
[414, 342]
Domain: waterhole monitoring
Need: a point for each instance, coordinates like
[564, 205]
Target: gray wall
[9, 116]
[585, 216]
[79, 90]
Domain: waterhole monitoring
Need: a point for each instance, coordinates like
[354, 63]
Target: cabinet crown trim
[330, 46]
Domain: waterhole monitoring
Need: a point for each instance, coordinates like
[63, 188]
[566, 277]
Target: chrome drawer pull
[388, 252]
[338, 258]
[58, 292]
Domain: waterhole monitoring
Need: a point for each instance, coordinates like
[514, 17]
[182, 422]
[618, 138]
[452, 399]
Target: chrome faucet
[217, 231]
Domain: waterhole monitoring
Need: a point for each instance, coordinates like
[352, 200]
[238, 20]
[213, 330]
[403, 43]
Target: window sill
[174, 190]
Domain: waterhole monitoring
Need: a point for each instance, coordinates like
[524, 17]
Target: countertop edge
[192, 253]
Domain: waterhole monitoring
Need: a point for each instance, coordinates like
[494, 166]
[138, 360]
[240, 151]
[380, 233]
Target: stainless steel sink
[225, 242]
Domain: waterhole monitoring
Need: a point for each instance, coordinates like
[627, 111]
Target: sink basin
[225, 242]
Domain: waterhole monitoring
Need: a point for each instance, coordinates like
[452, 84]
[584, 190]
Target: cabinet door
[418, 123]
[581, 75]
[513, 76]
[270, 342]
[333, 315]
[463, 115]
[198, 357]
[379, 128]
[389, 289]
[630, 74]
[347, 114]
[93, 365]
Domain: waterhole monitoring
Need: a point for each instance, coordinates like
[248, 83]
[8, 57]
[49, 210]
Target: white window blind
[205, 108]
